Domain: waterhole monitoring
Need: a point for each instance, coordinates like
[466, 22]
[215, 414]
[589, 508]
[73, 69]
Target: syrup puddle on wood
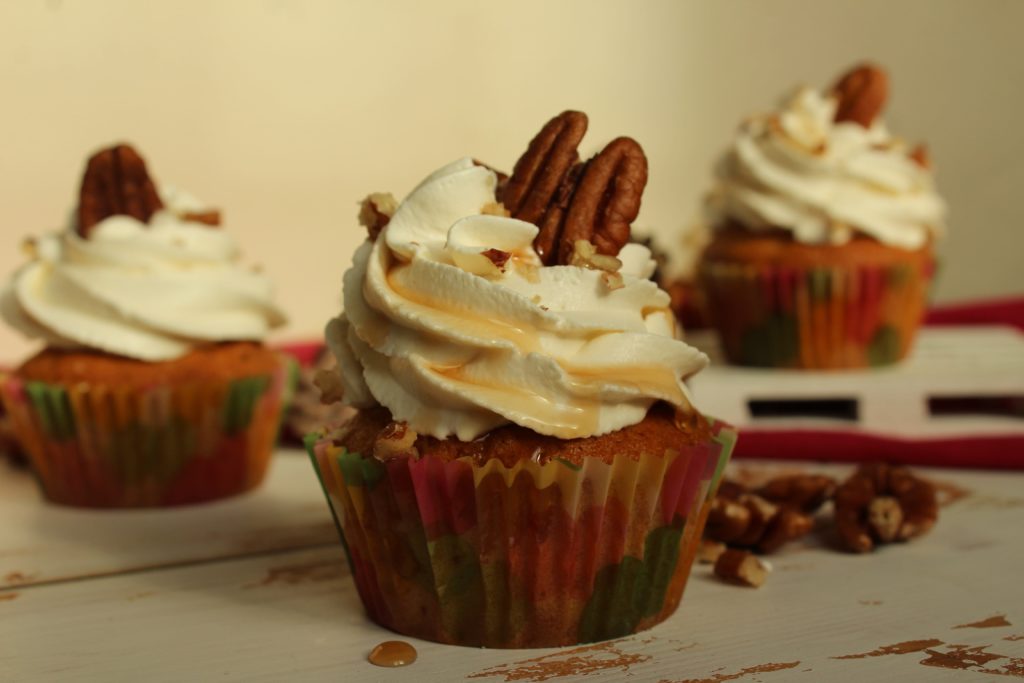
[392, 653]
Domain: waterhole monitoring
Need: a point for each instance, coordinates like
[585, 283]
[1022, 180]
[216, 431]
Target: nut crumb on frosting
[330, 386]
[495, 209]
[584, 255]
[498, 257]
[375, 211]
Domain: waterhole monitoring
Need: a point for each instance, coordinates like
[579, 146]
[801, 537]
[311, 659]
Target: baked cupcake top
[824, 167]
[143, 272]
[454, 322]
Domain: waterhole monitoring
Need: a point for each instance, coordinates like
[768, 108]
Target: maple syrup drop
[393, 653]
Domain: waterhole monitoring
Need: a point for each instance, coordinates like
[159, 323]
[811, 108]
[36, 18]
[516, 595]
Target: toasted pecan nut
[375, 212]
[538, 174]
[546, 242]
[116, 182]
[862, 93]
[881, 504]
[741, 567]
[210, 218]
[920, 156]
[606, 200]
[806, 492]
[748, 520]
[788, 524]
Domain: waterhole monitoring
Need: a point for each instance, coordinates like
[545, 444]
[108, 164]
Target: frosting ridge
[799, 170]
[455, 343]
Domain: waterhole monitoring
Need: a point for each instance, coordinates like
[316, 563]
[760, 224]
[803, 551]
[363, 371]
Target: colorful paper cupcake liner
[525, 556]
[820, 318]
[99, 446]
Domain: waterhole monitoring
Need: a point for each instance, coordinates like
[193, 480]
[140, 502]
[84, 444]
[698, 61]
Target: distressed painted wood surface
[43, 543]
[947, 607]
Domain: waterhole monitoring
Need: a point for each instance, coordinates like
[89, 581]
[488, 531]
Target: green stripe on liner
[360, 471]
[726, 437]
[819, 282]
[309, 441]
[570, 464]
[53, 407]
[626, 592]
[241, 401]
[884, 348]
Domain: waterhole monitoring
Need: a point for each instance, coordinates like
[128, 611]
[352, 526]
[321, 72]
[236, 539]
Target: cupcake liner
[525, 556]
[100, 446]
[821, 317]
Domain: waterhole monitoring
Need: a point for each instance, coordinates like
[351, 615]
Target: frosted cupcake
[154, 387]
[526, 468]
[825, 225]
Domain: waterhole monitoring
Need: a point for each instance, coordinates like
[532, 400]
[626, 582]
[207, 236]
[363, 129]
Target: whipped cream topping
[453, 343]
[147, 291]
[798, 170]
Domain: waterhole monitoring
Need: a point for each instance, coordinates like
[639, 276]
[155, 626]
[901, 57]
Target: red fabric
[1009, 311]
[304, 351]
[988, 452]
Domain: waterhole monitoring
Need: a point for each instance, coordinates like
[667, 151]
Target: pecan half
[607, 199]
[862, 93]
[116, 182]
[539, 175]
[882, 504]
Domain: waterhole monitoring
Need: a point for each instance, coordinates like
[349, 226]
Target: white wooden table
[255, 589]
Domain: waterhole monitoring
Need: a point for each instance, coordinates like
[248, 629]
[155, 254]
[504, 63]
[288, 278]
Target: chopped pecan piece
[741, 567]
[376, 211]
[495, 209]
[862, 93]
[395, 440]
[116, 182]
[211, 217]
[498, 257]
[749, 520]
[328, 381]
[709, 551]
[806, 492]
[921, 157]
[881, 503]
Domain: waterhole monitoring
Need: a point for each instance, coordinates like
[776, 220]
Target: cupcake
[153, 387]
[526, 468]
[824, 230]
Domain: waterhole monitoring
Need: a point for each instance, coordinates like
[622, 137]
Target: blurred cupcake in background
[154, 387]
[678, 256]
[824, 233]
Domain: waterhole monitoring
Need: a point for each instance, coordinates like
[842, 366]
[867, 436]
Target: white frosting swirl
[147, 291]
[800, 171]
[454, 345]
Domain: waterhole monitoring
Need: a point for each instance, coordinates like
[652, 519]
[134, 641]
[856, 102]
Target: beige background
[286, 113]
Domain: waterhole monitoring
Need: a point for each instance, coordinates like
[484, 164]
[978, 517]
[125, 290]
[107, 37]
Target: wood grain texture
[294, 614]
[41, 542]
